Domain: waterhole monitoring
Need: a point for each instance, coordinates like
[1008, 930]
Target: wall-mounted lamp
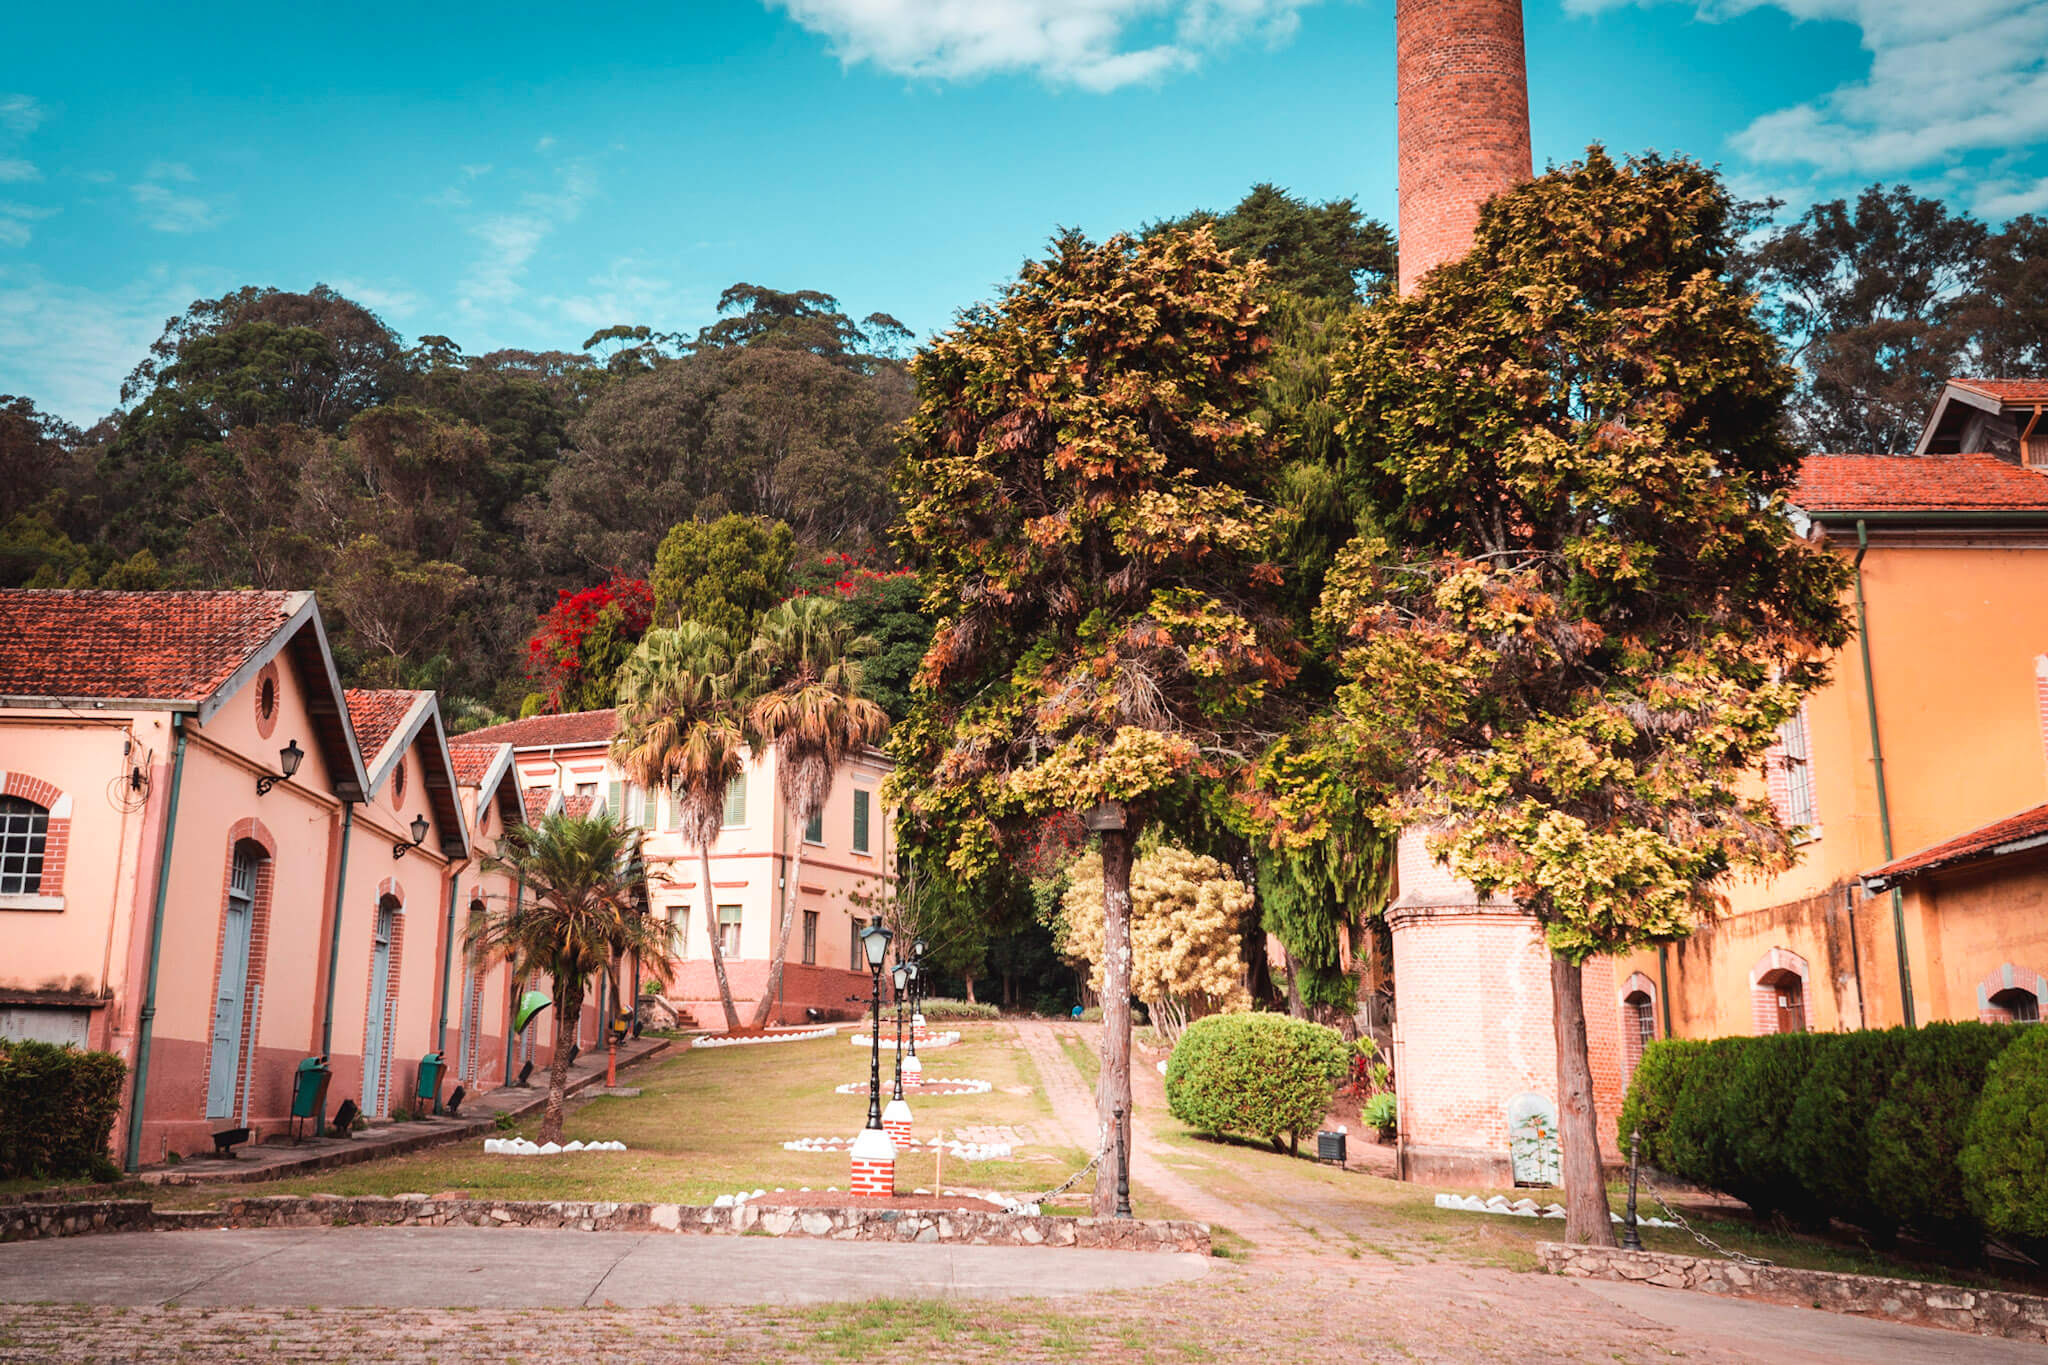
[288, 758]
[419, 836]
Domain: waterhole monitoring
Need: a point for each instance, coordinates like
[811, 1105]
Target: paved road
[542, 1268]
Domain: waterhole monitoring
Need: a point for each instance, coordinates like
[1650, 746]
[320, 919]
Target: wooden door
[224, 1077]
[1791, 1006]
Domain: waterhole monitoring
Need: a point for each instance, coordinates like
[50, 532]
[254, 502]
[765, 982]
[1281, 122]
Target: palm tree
[582, 875]
[805, 669]
[680, 729]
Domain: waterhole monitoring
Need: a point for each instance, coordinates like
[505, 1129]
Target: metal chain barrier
[1068, 1183]
[1697, 1235]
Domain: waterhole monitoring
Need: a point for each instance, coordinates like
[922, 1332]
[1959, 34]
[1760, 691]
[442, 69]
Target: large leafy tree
[804, 674]
[724, 573]
[1327, 251]
[1082, 495]
[1582, 611]
[681, 730]
[577, 915]
[1873, 301]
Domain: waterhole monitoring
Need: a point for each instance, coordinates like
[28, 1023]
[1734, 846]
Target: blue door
[374, 1042]
[226, 1072]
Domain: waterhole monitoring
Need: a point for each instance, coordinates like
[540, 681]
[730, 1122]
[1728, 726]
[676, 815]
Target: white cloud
[1999, 199]
[19, 113]
[170, 209]
[510, 239]
[1093, 44]
[13, 169]
[15, 220]
[629, 291]
[389, 301]
[1949, 79]
[69, 347]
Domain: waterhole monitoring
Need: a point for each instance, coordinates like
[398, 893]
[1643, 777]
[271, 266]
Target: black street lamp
[900, 978]
[874, 941]
[917, 951]
[419, 836]
[288, 759]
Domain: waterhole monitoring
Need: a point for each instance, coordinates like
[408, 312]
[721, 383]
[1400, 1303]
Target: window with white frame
[810, 938]
[24, 833]
[1798, 760]
[861, 801]
[729, 930]
[735, 802]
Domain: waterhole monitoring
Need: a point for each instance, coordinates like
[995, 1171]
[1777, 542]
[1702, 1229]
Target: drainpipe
[1664, 984]
[1884, 810]
[348, 823]
[447, 959]
[146, 1024]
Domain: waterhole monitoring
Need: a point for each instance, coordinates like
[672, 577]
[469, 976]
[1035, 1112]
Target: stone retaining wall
[1986, 1312]
[23, 1222]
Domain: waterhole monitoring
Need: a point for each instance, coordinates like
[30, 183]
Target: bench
[227, 1139]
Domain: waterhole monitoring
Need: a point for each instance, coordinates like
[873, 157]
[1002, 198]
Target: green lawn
[712, 1121]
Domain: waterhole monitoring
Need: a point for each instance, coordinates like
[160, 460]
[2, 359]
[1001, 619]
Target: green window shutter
[615, 800]
[736, 801]
[814, 829]
[860, 821]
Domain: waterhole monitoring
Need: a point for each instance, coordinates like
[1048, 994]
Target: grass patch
[1085, 1058]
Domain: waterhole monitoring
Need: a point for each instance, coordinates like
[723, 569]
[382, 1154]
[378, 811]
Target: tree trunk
[1114, 1090]
[969, 979]
[711, 927]
[568, 1008]
[1586, 1218]
[796, 870]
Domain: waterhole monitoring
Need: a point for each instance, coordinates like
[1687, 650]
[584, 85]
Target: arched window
[1639, 1017]
[24, 837]
[2021, 1005]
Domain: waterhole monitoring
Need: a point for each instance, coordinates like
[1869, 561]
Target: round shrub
[1850, 1076]
[2005, 1161]
[1652, 1092]
[1264, 1075]
[1916, 1134]
[57, 1109]
[1762, 1090]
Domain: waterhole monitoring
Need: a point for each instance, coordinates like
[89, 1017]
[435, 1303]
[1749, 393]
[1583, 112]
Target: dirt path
[1074, 1106]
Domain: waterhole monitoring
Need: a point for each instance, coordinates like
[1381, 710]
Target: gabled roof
[486, 767]
[577, 805]
[188, 652]
[2001, 838]
[1840, 485]
[546, 732]
[540, 803]
[1947, 424]
[403, 718]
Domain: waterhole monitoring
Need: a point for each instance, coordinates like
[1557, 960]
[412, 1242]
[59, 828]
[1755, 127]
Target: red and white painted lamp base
[874, 1164]
[913, 1073]
[896, 1121]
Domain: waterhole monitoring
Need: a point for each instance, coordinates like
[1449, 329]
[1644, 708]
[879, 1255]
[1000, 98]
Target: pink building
[848, 866]
[216, 863]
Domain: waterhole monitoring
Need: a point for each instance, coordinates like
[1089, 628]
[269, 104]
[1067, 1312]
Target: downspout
[146, 1023]
[1664, 984]
[1884, 810]
[348, 823]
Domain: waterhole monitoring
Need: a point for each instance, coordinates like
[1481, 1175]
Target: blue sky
[522, 175]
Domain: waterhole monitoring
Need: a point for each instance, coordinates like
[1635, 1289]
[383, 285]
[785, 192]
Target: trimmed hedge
[1264, 1075]
[939, 1007]
[2005, 1162]
[57, 1109]
[1868, 1127]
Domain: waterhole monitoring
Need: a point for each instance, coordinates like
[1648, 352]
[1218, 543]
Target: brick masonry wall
[1991, 1313]
[1464, 122]
[57, 830]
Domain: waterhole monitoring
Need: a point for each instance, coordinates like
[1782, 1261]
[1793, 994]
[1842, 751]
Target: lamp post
[918, 948]
[874, 941]
[288, 760]
[900, 978]
[419, 836]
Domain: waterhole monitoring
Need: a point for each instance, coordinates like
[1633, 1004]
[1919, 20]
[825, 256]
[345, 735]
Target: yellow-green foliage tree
[1084, 496]
[1580, 609]
[1187, 934]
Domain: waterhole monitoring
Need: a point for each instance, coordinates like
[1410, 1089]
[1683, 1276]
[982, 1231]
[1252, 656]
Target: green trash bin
[428, 1091]
[309, 1093]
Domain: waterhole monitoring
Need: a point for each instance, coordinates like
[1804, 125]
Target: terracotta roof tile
[376, 713]
[170, 646]
[1989, 841]
[472, 761]
[577, 805]
[1918, 483]
[536, 801]
[539, 732]
[2007, 390]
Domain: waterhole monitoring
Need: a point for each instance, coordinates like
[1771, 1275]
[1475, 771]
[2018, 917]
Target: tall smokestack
[1464, 107]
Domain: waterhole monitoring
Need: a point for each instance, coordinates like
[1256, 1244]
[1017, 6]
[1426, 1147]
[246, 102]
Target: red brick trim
[2005, 977]
[379, 1104]
[2041, 700]
[267, 725]
[1631, 1031]
[57, 835]
[251, 831]
[1769, 970]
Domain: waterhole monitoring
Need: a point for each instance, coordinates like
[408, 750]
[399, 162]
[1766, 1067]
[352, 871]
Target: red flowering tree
[584, 638]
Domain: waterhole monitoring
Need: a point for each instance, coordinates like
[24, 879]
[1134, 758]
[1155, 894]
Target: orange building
[1917, 775]
[216, 863]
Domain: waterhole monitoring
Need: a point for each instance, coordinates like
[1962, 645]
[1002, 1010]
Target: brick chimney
[1464, 106]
